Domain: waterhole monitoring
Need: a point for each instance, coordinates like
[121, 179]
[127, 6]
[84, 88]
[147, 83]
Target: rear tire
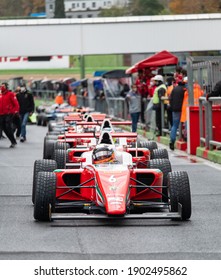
[61, 158]
[165, 166]
[45, 196]
[39, 120]
[48, 148]
[150, 145]
[160, 153]
[61, 146]
[44, 121]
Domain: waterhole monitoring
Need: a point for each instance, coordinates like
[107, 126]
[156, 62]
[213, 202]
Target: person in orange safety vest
[72, 100]
[197, 93]
[59, 99]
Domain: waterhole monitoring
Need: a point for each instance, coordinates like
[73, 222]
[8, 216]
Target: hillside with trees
[19, 8]
[23, 8]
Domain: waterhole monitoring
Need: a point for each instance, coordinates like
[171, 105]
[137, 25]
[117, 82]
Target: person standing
[26, 102]
[17, 120]
[170, 86]
[216, 92]
[59, 99]
[134, 103]
[72, 99]
[143, 91]
[176, 101]
[197, 93]
[159, 92]
[9, 106]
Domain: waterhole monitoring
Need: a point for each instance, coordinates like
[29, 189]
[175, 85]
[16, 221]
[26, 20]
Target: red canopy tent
[157, 60]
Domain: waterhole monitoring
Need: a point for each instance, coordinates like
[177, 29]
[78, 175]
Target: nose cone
[114, 186]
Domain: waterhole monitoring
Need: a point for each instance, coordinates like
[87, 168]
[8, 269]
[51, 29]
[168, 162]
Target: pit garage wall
[11, 63]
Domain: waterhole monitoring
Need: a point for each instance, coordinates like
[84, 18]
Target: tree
[38, 6]
[145, 7]
[27, 7]
[113, 12]
[136, 8]
[3, 5]
[32, 6]
[59, 9]
[195, 7]
[10, 8]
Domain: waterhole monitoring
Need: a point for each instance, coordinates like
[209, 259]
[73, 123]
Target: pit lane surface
[24, 238]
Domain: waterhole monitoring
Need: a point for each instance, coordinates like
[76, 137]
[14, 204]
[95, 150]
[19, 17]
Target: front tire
[45, 196]
[41, 165]
[179, 192]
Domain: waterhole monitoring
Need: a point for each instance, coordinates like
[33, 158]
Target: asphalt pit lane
[192, 160]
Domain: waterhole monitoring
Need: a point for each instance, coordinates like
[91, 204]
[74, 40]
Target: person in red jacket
[8, 107]
[142, 89]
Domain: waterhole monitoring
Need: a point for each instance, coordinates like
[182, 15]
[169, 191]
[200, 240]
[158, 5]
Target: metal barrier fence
[206, 122]
[118, 108]
[48, 94]
[206, 71]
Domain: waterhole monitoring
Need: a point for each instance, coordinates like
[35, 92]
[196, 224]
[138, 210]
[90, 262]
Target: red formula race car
[113, 189]
[79, 133]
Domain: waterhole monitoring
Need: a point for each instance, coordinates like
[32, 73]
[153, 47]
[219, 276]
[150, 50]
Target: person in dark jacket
[176, 101]
[8, 108]
[216, 92]
[26, 102]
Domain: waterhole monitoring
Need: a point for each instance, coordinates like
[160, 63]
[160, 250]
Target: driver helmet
[102, 154]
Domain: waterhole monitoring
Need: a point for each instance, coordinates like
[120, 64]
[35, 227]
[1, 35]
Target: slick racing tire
[165, 166]
[159, 153]
[60, 146]
[51, 137]
[61, 158]
[48, 148]
[54, 133]
[179, 192]
[50, 125]
[45, 196]
[39, 120]
[41, 165]
[44, 121]
[150, 145]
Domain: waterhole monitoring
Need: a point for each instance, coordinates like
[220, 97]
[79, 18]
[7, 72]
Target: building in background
[83, 8]
[44, 62]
